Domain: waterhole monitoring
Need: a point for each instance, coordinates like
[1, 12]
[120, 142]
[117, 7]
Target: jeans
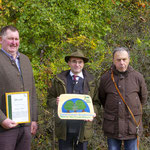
[114, 144]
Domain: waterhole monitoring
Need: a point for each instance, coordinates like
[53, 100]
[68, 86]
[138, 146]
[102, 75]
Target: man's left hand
[33, 127]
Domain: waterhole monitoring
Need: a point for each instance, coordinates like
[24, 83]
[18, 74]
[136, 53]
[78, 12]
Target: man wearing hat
[72, 134]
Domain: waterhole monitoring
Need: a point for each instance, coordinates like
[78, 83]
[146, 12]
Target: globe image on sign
[75, 105]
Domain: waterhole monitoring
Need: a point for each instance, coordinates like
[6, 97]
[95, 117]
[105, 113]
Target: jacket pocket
[60, 128]
[88, 131]
[108, 123]
[132, 125]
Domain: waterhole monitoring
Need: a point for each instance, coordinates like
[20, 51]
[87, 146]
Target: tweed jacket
[118, 123]
[12, 81]
[59, 87]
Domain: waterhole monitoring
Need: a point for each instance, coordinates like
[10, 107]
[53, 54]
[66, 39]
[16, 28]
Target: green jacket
[59, 87]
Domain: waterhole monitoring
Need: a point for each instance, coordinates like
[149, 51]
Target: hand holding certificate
[8, 124]
[17, 106]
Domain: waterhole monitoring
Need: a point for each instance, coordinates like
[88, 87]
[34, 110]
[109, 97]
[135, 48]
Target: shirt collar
[9, 55]
[79, 75]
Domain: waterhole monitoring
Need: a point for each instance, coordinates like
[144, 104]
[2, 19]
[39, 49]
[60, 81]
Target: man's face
[76, 65]
[121, 60]
[10, 42]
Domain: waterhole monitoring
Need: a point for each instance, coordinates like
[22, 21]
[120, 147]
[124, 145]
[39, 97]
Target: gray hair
[118, 49]
[4, 29]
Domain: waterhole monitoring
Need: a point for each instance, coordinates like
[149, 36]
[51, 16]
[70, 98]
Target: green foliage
[69, 105]
[80, 105]
[51, 29]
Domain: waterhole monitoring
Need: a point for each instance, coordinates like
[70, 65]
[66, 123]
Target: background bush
[51, 29]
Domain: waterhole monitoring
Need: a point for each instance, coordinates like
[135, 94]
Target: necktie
[75, 78]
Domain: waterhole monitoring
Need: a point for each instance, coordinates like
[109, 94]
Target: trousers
[115, 144]
[71, 143]
[16, 139]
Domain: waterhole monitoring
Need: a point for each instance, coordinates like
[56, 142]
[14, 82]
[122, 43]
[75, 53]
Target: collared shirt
[79, 75]
[12, 58]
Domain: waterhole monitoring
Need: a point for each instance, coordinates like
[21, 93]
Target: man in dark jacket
[70, 132]
[122, 93]
[15, 76]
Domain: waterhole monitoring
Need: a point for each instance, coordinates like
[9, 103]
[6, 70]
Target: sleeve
[96, 101]
[2, 116]
[101, 92]
[52, 95]
[34, 102]
[143, 94]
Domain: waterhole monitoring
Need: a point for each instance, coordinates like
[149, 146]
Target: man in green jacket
[72, 134]
[15, 76]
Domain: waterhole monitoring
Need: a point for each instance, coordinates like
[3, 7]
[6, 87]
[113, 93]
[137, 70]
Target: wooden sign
[75, 107]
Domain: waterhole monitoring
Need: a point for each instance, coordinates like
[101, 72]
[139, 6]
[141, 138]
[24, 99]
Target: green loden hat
[77, 54]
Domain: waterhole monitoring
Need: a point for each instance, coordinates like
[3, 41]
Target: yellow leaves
[138, 4]
[12, 5]
[113, 2]
[77, 40]
[1, 4]
[93, 45]
[141, 4]
[83, 41]
[8, 7]
[138, 41]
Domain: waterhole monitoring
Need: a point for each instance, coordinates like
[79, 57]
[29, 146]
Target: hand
[91, 119]
[57, 100]
[33, 127]
[8, 124]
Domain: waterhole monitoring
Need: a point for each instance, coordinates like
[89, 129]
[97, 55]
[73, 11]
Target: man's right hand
[8, 124]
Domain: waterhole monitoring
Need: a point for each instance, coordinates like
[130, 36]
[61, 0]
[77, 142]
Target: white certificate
[18, 107]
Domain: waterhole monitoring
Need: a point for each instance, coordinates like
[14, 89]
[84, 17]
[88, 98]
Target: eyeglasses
[77, 62]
